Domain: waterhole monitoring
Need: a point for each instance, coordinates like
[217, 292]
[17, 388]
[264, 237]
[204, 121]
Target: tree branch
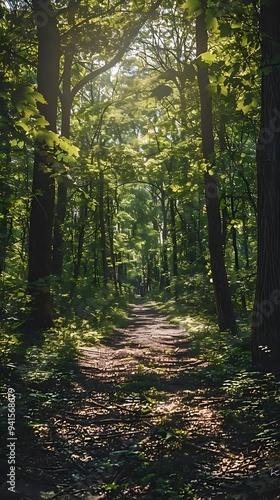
[117, 58]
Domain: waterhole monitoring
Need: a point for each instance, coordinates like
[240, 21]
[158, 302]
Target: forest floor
[138, 422]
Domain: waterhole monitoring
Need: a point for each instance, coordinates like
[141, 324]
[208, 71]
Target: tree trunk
[234, 235]
[42, 206]
[245, 235]
[224, 228]
[266, 313]
[111, 244]
[81, 238]
[164, 279]
[224, 306]
[103, 239]
[174, 247]
[6, 193]
[60, 213]
[174, 237]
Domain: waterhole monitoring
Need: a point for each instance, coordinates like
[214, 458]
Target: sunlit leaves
[22, 123]
[245, 104]
[205, 59]
[193, 6]
[26, 93]
[137, 127]
[211, 20]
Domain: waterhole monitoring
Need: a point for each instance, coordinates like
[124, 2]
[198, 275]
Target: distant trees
[118, 25]
[40, 263]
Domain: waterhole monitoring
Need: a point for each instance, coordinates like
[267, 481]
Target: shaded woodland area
[139, 249]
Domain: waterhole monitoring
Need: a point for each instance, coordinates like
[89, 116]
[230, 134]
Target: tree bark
[164, 278]
[111, 242]
[103, 238]
[245, 235]
[81, 239]
[60, 213]
[42, 206]
[226, 319]
[234, 234]
[266, 313]
[172, 204]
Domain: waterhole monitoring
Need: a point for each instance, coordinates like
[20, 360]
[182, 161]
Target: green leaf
[66, 145]
[41, 121]
[189, 73]
[225, 30]
[194, 7]
[236, 24]
[47, 136]
[23, 125]
[205, 59]
[247, 103]
[223, 90]
[39, 98]
[211, 21]
[244, 40]
[212, 88]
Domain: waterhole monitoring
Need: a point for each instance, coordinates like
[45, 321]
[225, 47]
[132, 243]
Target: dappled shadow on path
[139, 423]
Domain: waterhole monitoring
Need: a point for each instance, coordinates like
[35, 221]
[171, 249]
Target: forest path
[141, 423]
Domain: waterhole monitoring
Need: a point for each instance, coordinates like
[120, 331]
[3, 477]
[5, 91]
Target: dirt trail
[141, 424]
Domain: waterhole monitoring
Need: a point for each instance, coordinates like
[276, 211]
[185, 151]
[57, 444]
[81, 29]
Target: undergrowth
[252, 398]
[41, 368]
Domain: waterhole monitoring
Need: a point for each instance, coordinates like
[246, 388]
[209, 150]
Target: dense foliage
[130, 203]
[139, 156]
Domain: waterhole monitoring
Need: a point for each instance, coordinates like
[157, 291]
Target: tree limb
[110, 64]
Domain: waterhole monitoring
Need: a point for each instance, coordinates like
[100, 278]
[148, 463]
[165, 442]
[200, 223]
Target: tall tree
[266, 314]
[224, 306]
[43, 189]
